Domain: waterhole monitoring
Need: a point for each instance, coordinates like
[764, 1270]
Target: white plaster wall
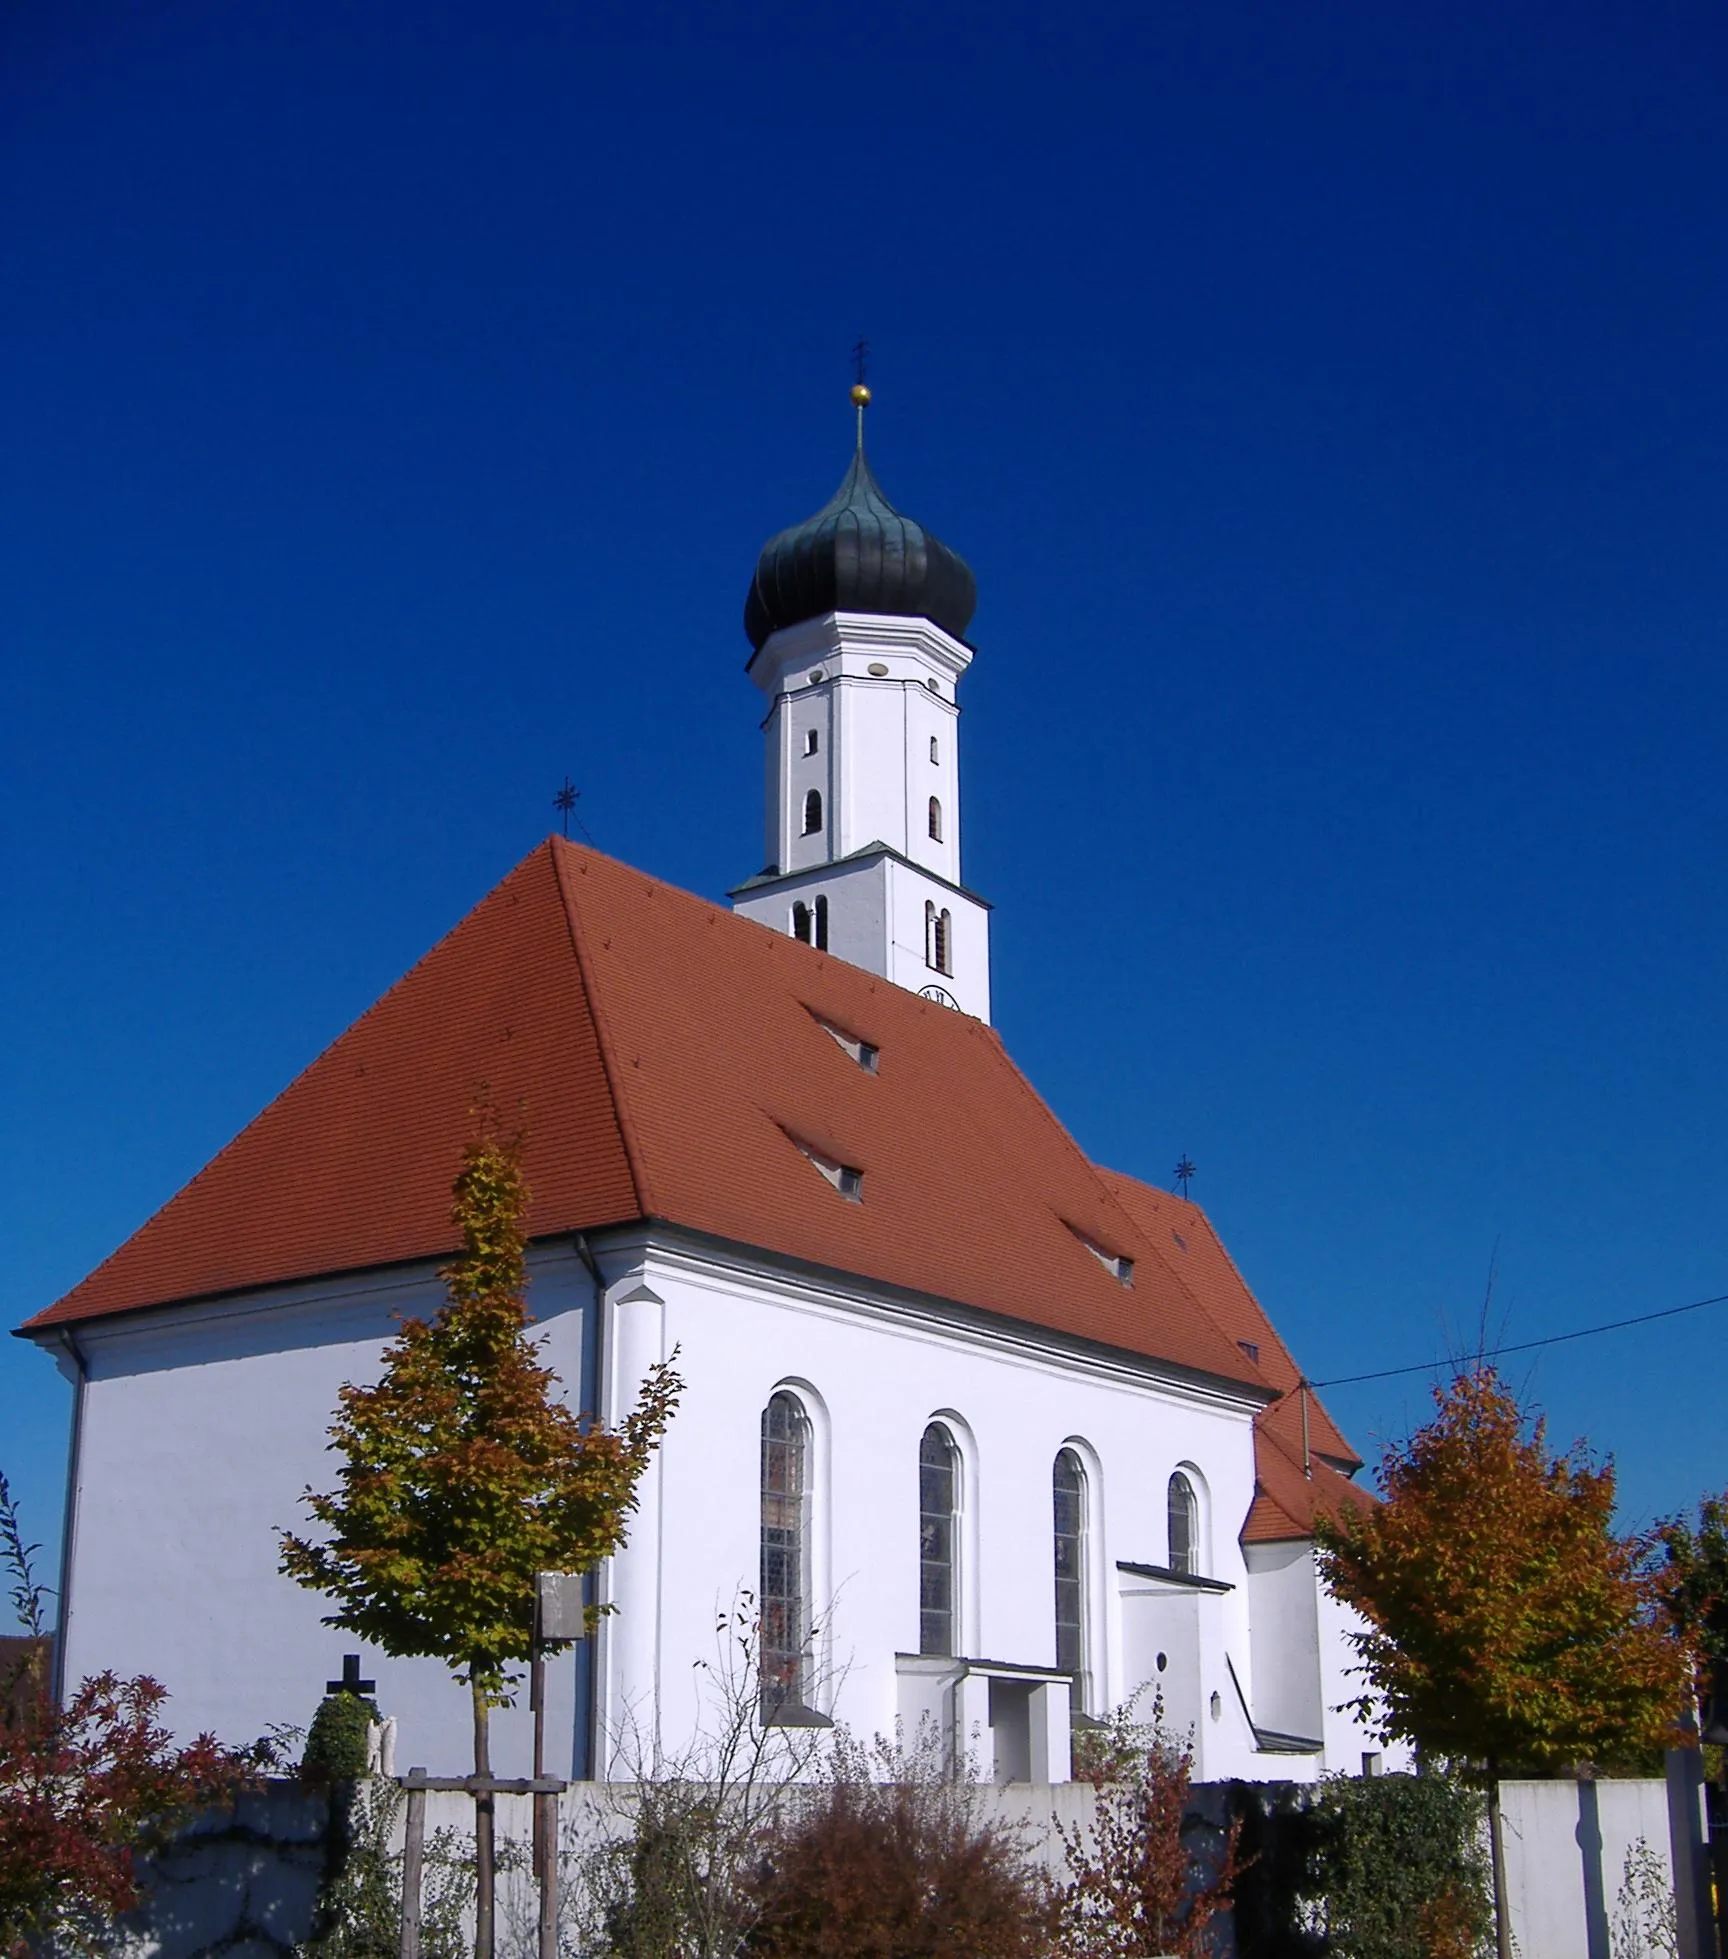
[1348, 1737]
[1284, 1623]
[875, 689]
[871, 1381]
[1566, 1849]
[969, 983]
[202, 1428]
[857, 895]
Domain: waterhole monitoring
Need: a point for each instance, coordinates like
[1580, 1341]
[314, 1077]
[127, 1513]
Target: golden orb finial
[860, 395]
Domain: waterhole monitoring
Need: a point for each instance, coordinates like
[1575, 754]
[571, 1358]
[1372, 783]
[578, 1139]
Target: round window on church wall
[877, 670]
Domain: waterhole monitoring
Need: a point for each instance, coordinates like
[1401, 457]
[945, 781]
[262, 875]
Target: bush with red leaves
[86, 1788]
[891, 1859]
[82, 1793]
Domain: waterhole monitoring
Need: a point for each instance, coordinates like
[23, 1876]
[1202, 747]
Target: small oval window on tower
[935, 819]
[812, 811]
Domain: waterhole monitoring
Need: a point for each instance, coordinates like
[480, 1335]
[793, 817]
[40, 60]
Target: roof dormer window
[861, 1051]
[1117, 1264]
[845, 1177]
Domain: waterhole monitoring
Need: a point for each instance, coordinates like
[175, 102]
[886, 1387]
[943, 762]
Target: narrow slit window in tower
[935, 753]
[801, 921]
[936, 819]
[944, 947]
[822, 924]
[812, 741]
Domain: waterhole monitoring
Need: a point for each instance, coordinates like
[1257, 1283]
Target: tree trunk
[1497, 1857]
[483, 1810]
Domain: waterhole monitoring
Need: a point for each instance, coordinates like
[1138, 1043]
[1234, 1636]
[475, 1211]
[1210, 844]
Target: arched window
[801, 921]
[812, 741]
[935, 751]
[930, 936]
[938, 1492]
[785, 1591]
[944, 942]
[812, 811]
[936, 819]
[822, 924]
[1184, 1527]
[1069, 1489]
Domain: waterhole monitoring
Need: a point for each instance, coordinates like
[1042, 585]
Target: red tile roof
[1184, 1234]
[669, 1059]
[1286, 1501]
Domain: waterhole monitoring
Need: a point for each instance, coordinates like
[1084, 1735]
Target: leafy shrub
[1400, 1868]
[338, 1740]
[891, 1858]
[360, 1911]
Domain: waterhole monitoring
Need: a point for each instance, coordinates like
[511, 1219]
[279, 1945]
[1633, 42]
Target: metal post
[413, 1854]
[537, 1703]
[1688, 1846]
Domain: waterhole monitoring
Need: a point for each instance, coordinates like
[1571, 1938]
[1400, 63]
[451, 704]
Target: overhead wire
[1527, 1346]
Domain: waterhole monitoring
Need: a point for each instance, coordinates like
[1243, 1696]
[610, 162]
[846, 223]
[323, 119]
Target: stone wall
[239, 1883]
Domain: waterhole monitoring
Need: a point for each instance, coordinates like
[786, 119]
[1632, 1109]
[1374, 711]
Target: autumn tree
[1507, 1625]
[464, 1474]
[1695, 1581]
[1138, 1884]
[87, 1789]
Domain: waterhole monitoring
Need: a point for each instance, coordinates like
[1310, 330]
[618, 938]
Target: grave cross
[350, 1683]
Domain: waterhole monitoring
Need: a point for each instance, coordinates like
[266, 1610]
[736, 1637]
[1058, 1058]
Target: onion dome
[858, 554]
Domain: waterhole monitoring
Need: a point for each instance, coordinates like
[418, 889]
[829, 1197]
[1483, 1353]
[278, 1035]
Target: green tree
[464, 1474]
[1507, 1625]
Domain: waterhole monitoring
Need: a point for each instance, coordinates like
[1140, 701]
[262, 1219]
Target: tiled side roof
[1184, 1234]
[669, 1060]
[1286, 1501]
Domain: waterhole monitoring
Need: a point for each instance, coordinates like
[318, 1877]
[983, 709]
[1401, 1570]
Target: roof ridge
[561, 850]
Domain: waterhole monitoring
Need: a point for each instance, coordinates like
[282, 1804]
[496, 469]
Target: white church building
[992, 1433]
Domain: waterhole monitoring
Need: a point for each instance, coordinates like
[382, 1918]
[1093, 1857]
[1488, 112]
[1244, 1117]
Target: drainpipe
[587, 1750]
[69, 1520]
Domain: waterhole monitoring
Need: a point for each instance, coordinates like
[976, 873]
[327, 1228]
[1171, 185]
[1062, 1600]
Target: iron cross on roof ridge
[350, 1683]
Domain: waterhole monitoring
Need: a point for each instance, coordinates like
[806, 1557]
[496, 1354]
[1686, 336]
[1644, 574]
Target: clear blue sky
[1331, 401]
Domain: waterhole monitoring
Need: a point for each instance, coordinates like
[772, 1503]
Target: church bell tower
[856, 617]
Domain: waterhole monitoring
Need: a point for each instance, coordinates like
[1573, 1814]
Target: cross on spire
[1184, 1171]
[860, 361]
